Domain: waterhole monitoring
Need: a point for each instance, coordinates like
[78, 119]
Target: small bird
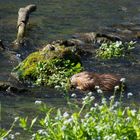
[89, 81]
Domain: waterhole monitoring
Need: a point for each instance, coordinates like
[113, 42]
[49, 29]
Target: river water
[60, 19]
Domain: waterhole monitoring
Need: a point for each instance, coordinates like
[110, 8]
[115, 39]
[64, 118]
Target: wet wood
[23, 18]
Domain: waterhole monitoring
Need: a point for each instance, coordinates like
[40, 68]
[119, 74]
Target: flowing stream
[60, 19]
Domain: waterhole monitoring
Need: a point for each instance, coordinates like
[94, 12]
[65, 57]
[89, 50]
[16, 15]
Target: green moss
[27, 69]
[50, 67]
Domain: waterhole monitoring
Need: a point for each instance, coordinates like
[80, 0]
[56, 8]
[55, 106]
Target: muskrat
[90, 80]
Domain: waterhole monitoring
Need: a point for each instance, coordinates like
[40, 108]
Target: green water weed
[115, 49]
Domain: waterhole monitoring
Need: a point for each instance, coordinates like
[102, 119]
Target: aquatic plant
[107, 120]
[7, 133]
[114, 49]
[56, 73]
[51, 68]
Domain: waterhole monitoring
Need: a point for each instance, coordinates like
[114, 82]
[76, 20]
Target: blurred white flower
[98, 128]
[46, 123]
[90, 93]
[118, 43]
[92, 98]
[68, 121]
[99, 91]
[123, 80]
[85, 99]
[129, 94]
[65, 115]
[84, 102]
[97, 87]
[17, 133]
[114, 136]
[33, 135]
[106, 137]
[133, 112]
[116, 87]
[73, 95]
[56, 118]
[11, 136]
[43, 132]
[38, 102]
[87, 115]
[127, 107]
[85, 124]
[92, 108]
[111, 97]
[18, 55]
[103, 100]
[63, 127]
[128, 119]
[16, 118]
[95, 104]
[57, 87]
[107, 49]
[116, 104]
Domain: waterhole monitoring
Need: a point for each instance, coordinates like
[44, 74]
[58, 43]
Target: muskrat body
[89, 81]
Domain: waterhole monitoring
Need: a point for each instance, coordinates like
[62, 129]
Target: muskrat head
[83, 81]
[73, 81]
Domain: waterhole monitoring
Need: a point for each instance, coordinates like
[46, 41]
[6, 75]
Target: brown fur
[88, 80]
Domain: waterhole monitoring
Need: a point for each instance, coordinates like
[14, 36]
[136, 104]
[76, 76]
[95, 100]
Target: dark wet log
[72, 42]
[86, 37]
[89, 81]
[110, 37]
[93, 37]
[23, 18]
[7, 88]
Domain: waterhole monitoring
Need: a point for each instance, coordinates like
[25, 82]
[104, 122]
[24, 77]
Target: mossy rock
[49, 67]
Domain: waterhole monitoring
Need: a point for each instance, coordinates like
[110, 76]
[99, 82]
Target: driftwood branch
[23, 18]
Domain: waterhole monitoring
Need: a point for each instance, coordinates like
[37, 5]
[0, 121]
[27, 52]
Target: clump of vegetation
[115, 49]
[51, 68]
[56, 73]
[107, 120]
